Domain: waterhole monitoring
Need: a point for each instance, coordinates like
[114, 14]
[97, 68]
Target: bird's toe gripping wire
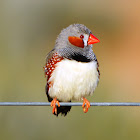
[53, 104]
[86, 105]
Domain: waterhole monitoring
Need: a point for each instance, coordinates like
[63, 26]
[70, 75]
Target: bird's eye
[81, 36]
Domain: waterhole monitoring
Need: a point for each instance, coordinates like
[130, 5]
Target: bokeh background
[28, 29]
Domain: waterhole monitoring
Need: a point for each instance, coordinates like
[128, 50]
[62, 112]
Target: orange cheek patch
[76, 41]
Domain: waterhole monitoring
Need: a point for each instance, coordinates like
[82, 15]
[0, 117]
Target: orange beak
[92, 39]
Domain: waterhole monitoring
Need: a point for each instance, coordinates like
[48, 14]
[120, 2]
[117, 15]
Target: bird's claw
[53, 104]
[86, 105]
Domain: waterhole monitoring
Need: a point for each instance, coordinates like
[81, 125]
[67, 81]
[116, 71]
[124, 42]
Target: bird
[71, 68]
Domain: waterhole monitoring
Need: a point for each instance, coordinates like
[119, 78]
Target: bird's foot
[87, 106]
[53, 104]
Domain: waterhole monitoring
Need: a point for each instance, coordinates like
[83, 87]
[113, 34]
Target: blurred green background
[28, 29]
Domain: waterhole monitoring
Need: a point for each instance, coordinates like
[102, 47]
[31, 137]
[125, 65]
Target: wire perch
[69, 104]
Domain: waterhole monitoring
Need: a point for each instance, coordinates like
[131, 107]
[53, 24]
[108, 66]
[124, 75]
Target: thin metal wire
[69, 104]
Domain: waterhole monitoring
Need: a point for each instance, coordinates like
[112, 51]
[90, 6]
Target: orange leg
[87, 106]
[53, 104]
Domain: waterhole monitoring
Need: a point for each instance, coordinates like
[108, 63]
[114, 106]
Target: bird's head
[76, 36]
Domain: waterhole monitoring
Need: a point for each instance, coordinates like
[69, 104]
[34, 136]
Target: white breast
[73, 80]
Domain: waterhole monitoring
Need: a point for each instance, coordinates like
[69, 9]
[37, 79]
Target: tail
[62, 109]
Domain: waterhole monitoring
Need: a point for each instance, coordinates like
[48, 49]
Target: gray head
[75, 39]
